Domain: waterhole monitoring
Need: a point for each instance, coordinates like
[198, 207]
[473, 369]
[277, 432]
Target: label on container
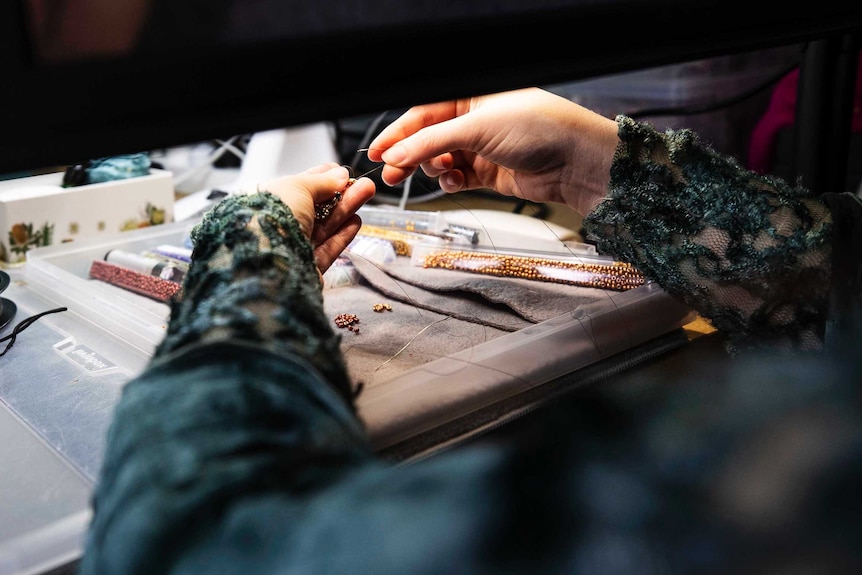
[84, 357]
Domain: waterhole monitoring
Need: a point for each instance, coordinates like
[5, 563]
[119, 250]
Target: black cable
[24, 324]
[539, 210]
[519, 206]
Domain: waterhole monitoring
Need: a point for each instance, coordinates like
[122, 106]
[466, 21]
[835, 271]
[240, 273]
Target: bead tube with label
[585, 272]
[146, 265]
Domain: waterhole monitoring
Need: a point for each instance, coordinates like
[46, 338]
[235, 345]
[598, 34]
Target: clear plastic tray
[124, 328]
[60, 273]
[438, 393]
[58, 386]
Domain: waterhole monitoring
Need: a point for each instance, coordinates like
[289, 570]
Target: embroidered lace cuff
[748, 252]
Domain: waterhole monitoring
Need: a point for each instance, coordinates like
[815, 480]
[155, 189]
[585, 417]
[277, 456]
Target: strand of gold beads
[613, 276]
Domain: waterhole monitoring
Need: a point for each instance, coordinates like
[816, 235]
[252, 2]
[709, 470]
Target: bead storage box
[61, 408]
[399, 411]
[62, 274]
[37, 211]
[59, 383]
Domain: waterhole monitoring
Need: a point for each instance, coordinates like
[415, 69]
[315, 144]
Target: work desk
[60, 380]
[43, 497]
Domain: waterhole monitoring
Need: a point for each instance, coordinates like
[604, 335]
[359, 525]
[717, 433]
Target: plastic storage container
[58, 385]
[60, 273]
[570, 342]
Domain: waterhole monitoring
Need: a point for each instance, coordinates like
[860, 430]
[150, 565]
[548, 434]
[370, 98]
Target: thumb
[316, 184]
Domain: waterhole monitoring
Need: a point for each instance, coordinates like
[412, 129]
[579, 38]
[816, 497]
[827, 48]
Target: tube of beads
[403, 220]
[158, 267]
[403, 242]
[177, 253]
[144, 284]
[419, 222]
[600, 273]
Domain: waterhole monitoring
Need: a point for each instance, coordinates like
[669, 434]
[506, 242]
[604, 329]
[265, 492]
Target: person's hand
[318, 185]
[528, 143]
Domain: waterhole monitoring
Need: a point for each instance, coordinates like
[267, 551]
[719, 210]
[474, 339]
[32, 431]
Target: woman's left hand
[316, 186]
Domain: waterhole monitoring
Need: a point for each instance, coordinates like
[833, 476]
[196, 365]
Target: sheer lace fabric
[750, 253]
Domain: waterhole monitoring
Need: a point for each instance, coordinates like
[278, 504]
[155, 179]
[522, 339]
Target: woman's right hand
[528, 143]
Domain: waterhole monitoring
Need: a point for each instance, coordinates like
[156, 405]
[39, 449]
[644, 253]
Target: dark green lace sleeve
[253, 278]
[750, 253]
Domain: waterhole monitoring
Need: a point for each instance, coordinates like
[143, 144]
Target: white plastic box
[37, 211]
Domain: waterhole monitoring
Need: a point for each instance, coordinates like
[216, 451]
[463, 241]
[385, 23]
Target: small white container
[37, 211]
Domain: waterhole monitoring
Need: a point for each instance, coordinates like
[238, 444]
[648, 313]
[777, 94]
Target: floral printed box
[38, 211]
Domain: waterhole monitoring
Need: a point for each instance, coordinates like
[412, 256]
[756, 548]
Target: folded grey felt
[461, 304]
[436, 313]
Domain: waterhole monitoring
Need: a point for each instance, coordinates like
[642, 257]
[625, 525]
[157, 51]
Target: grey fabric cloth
[533, 300]
[377, 352]
[458, 304]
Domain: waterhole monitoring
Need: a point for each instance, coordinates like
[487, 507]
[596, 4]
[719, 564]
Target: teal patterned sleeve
[254, 279]
[226, 443]
[750, 253]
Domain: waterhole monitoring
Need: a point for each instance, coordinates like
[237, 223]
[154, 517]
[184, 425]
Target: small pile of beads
[614, 276]
[379, 307]
[347, 320]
